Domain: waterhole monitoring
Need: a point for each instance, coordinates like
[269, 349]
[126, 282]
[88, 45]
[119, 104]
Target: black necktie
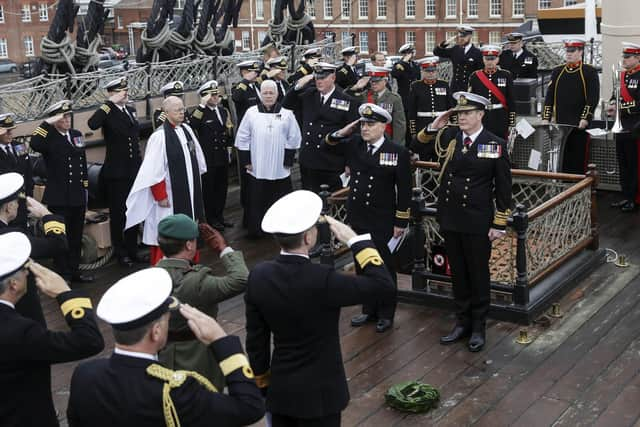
[321, 99]
[125, 110]
[8, 149]
[370, 148]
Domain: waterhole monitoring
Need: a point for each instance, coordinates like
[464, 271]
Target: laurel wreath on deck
[412, 396]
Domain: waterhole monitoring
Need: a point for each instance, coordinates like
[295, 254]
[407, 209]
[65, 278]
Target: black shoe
[383, 325]
[361, 319]
[82, 278]
[628, 207]
[456, 334]
[228, 224]
[619, 203]
[476, 342]
[125, 261]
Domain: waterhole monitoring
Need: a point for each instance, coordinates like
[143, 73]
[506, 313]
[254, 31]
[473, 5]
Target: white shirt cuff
[225, 251]
[358, 238]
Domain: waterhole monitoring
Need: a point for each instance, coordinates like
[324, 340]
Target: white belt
[429, 113]
[494, 106]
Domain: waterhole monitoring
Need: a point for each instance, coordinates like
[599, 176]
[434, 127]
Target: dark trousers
[214, 192]
[312, 179]
[381, 309]
[576, 152]
[67, 264]
[468, 256]
[278, 420]
[125, 243]
[627, 151]
[262, 194]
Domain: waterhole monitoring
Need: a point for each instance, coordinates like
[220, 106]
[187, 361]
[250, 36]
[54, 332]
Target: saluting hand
[204, 327]
[342, 231]
[49, 282]
[442, 120]
[494, 234]
[36, 209]
[348, 129]
[302, 82]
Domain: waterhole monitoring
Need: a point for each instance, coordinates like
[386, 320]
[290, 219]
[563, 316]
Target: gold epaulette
[402, 214]
[55, 227]
[236, 361]
[76, 307]
[105, 108]
[263, 380]
[40, 131]
[242, 86]
[197, 114]
[303, 71]
[500, 218]
[400, 67]
[368, 256]
[173, 379]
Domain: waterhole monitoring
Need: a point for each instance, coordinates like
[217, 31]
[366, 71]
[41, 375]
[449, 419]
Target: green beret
[179, 227]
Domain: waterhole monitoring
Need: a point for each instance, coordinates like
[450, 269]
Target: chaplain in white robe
[267, 140]
[168, 181]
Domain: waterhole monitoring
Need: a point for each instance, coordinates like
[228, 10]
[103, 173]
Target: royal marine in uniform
[14, 157]
[466, 58]
[496, 85]
[572, 97]
[627, 141]
[298, 302]
[517, 59]
[346, 75]
[130, 388]
[378, 202]
[245, 94]
[28, 347]
[474, 201]
[428, 98]
[212, 123]
[170, 89]
[121, 130]
[65, 194]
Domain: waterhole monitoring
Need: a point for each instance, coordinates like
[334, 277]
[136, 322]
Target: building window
[4, 53]
[328, 9]
[345, 9]
[472, 9]
[410, 37]
[43, 12]
[363, 9]
[330, 35]
[119, 22]
[429, 41]
[570, 2]
[451, 34]
[451, 8]
[26, 13]
[410, 8]
[261, 36]
[364, 42]
[382, 41]
[179, 4]
[246, 40]
[544, 4]
[346, 39]
[259, 9]
[430, 9]
[381, 6]
[475, 39]
[518, 8]
[495, 37]
[311, 8]
[1, 14]
[495, 8]
[28, 45]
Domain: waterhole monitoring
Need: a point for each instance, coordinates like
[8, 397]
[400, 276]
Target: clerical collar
[7, 303]
[328, 94]
[377, 144]
[473, 136]
[283, 252]
[136, 354]
[274, 110]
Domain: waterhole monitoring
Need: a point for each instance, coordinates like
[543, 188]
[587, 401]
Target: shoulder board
[105, 108]
[197, 113]
[242, 86]
[399, 67]
[344, 70]
[40, 131]
[177, 378]
[303, 70]
[162, 117]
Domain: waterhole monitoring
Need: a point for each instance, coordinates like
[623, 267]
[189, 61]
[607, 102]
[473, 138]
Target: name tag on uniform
[387, 106]
[340, 104]
[528, 60]
[441, 91]
[78, 141]
[489, 151]
[388, 159]
[502, 82]
[20, 149]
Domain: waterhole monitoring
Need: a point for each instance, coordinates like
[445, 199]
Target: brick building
[23, 23]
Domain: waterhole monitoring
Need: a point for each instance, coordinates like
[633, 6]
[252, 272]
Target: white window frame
[25, 13]
[363, 6]
[4, 48]
[570, 2]
[311, 8]
[475, 38]
[245, 37]
[429, 41]
[261, 36]
[447, 8]
[546, 3]
[1, 14]
[345, 6]
[381, 4]
[328, 7]
[495, 37]
[429, 4]
[43, 12]
[28, 50]
[260, 9]
[346, 35]
[382, 40]
[408, 37]
[409, 4]
[119, 22]
[469, 14]
[450, 34]
[491, 5]
[180, 4]
[364, 47]
[513, 8]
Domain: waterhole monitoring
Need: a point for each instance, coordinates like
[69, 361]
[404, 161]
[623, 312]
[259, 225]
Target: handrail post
[324, 233]
[419, 238]
[521, 288]
[592, 172]
[147, 97]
